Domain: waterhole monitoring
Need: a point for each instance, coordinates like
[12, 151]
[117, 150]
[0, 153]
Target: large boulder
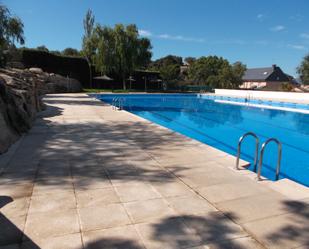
[19, 103]
[59, 84]
[36, 70]
[20, 99]
[8, 134]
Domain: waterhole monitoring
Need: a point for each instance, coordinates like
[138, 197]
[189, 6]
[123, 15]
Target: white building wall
[288, 96]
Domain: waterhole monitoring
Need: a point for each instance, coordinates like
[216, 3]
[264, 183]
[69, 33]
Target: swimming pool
[222, 124]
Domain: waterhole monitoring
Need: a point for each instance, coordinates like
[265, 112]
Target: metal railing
[256, 159]
[117, 103]
[257, 142]
[262, 155]
[114, 100]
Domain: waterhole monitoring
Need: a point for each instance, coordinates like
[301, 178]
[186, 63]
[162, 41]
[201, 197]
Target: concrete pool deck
[87, 176]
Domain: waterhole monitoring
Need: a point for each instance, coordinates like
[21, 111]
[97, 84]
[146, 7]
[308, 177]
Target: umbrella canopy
[103, 77]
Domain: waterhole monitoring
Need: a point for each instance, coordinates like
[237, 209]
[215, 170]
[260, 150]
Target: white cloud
[260, 17]
[298, 47]
[180, 38]
[147, 33]
[143, 32]
[230, 42]
[261, 42]
[297, 17]
[278, 28]
[304, 35]
[164, 36]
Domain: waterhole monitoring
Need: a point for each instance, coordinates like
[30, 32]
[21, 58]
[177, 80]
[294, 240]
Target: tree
[43, 48]
[70, 52]
[190, 60]
[216, 72]
[120, 50]
[238, 70]
[303, 70]
[144, 53]
[55, 52]
[88, 48]
[16, 30]
[168, 66]
[11, 31]
[104, 40]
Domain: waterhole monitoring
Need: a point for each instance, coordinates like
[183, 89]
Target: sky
[258, 33]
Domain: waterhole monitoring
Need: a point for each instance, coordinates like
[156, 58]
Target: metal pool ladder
[117, 103]
[257, 141]
[262, 155]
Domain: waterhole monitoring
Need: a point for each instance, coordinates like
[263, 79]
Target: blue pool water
[221, 125]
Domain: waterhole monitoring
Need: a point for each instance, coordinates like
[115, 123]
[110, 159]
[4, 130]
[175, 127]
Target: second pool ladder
[258, 167]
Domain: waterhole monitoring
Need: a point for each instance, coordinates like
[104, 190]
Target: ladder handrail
[257, 142]
[114, 103]
[120, 103]
[262, 155]
[117, 103]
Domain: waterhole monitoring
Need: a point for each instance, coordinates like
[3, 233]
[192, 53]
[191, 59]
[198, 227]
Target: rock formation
[20, 99]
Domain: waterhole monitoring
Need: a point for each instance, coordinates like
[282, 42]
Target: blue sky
[257, 32]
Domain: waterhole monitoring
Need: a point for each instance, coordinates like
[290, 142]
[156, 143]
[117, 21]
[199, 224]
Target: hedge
[73, 67]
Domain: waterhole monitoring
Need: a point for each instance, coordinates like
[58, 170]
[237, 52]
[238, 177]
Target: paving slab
[190, 205]
[137, 192]
[16, 207]
[124, 237]
[213, 227]
[101, 217]
[169, 233]
[143, 211]
[52, 202]
[173, 188]
[239, 243]
[17, 190]
[230, 191]
[51, 224]
[253, 207]
[96, 197]
[70, 241]
[282, 231]
[53, 185]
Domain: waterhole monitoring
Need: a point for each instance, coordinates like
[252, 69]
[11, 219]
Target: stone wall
[20, 99]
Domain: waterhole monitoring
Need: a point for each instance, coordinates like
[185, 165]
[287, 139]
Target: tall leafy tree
[43, 48]
[121, 53]
[216, 72]
[190, 60]
[238, 70]
[120, 50]
[16, 31]
[169, 67]
[104, 40]
[88, 48]
[144, 53]
[11, 31]
[303, 70]
[70, 52]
